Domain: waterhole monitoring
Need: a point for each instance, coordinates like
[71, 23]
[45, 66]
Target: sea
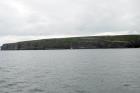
[70, 71]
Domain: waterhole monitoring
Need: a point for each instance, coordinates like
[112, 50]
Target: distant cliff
[91, 42]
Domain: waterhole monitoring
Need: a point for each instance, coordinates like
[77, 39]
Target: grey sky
[35, 19]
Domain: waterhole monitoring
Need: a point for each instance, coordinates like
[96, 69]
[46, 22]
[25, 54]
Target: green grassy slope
[119, 41]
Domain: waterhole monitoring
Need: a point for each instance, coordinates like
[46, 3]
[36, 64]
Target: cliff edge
[90, 42]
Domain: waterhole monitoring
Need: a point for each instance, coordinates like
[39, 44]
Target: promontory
[87, 42]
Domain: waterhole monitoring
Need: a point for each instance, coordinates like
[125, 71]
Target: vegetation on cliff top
[90, 42]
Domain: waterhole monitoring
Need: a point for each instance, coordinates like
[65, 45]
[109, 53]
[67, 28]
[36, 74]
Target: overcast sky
[35, 19]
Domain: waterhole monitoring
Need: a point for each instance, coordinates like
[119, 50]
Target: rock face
[120, 41]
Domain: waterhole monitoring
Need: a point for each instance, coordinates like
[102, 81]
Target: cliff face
[121, 41]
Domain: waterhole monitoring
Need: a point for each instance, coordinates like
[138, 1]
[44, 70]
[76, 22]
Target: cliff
[91, 42]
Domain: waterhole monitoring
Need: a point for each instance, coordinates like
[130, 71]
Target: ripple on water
[2, 81]
[81, 91]
[10, 85]
[18, 91]
[1, 68]
[13, 84]
[127, 85]
[75, 88]
[71, 86]
[36, 90]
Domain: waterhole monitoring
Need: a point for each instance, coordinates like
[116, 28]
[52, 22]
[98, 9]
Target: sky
[22, 20]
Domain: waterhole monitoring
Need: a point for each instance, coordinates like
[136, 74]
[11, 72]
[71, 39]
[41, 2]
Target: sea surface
[70, 71]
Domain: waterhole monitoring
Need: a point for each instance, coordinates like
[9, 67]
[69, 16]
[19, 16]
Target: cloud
[33, 19]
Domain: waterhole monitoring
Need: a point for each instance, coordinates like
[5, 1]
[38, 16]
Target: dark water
[70, 71]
